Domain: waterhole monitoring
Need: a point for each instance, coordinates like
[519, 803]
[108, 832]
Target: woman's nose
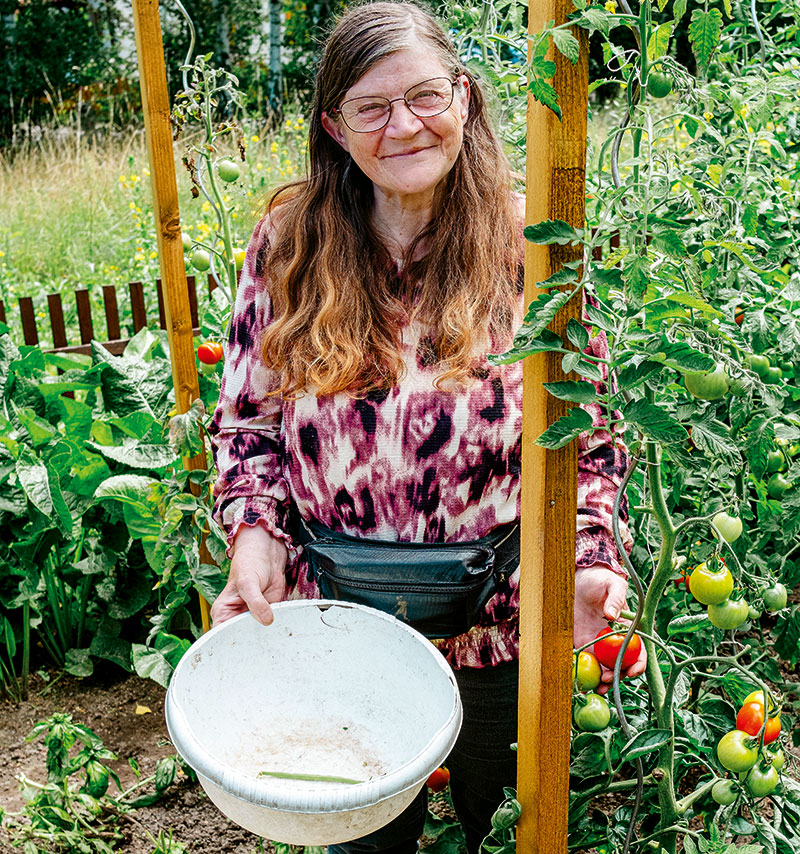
[401, 120]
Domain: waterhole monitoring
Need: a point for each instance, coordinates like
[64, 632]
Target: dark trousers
[481, 764]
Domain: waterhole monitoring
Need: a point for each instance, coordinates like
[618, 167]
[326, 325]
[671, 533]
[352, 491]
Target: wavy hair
[338, 305]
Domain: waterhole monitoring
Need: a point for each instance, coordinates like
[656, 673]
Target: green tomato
[238, 258]
[777, 758]
[794, 449]
[187, 241]
[775, 597]
[592, 713]
[737, 751]
[773, 376]
[738, 387]
[729, 527]
[725, 792]
[228, 170]
[753, 613]
[777, 485]
[711, 587]
[201, 260]
[729, 614]
[659, 85]
[707, 386]
[587, 673]
[760, 781]
[758, 364]
[775, 461]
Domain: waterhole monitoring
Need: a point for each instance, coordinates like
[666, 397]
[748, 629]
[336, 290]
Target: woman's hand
[256, 578]
[599, 597]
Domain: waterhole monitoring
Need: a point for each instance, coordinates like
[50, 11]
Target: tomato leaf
[704, 33]
[552, 231]
[654, 421]
[575, 392]
[567, 428]
[680, 356]
[567, 44]
[645, 742]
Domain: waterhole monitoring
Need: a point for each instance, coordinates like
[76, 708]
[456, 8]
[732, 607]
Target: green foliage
[75, 810]
[99, 520]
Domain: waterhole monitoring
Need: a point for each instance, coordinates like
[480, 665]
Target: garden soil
[127, 713]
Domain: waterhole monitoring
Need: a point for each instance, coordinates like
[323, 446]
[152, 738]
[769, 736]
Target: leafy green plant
[74, 810]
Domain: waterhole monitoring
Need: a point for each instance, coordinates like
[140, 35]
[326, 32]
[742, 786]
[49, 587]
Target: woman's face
[408, 158]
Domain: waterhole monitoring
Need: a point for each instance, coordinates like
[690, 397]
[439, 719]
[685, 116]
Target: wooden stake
[556, 175]
[156, 107]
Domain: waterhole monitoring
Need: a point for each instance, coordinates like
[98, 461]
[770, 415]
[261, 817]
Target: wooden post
[156, 107]
[556, 174]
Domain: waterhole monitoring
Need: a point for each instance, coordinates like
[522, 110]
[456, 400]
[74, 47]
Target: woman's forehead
[399, 71]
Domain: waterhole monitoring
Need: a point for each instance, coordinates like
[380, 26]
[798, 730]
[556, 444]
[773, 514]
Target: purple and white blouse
[409, 464]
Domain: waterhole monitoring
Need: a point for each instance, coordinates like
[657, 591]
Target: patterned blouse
[410, 464]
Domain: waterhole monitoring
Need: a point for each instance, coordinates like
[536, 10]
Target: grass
[78, 213]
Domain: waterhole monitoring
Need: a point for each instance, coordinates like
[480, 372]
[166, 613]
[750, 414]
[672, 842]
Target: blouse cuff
[257, 511]
[595, 545]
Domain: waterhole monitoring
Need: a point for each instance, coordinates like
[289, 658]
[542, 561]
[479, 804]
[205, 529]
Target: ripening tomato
[737, 751]
[210, 352]
[587, 672]
[438, 780]
[751, 718]
[607, 646]
[757, 697]
[739, 316]
[711, 586]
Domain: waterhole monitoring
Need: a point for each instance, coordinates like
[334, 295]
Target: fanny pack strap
[504, 539]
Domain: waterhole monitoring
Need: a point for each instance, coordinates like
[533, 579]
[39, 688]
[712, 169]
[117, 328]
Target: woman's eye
[366, 109]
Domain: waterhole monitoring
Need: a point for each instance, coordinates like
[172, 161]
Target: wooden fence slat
[137, 305]
[162, 316]
[112, 312]
[84, 315]
[56, 311]
[2, 312]
[29, 333]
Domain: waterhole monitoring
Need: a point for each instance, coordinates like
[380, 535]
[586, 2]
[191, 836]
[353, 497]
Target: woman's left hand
[599, 598]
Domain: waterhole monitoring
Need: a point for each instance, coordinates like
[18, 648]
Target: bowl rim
[313, 797]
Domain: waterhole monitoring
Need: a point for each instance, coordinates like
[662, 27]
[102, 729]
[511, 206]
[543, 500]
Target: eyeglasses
[426, 99]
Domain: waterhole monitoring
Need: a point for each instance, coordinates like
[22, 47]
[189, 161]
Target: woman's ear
[334, 129]
[465, 90]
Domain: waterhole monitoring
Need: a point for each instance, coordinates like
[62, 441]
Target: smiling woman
[358, 405]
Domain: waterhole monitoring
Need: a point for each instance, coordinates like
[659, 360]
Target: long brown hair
[338, 306]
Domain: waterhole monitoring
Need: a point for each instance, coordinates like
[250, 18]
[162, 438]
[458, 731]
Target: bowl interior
[326, 689]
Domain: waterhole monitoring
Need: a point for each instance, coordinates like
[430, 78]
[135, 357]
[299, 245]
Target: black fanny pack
[438, 588]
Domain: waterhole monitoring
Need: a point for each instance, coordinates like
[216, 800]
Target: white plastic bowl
[330, 688]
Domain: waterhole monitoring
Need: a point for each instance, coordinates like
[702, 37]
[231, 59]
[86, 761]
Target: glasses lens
[364, 114]
[431, 97]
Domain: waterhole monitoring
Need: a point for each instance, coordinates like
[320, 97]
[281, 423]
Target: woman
[356, 387]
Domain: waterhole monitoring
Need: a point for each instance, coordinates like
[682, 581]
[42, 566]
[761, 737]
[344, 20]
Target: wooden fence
[113, 341]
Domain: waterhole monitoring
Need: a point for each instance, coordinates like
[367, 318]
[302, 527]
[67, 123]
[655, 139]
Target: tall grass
[76, 212]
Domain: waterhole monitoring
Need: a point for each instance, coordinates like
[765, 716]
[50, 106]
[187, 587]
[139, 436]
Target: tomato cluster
[741, 752]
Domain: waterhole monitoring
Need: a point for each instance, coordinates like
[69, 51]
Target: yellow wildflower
[610, 6]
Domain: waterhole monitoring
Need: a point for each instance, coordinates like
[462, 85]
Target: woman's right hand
[256, 578]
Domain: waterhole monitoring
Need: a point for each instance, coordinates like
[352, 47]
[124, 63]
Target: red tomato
[438, 781]
[751, 718]
[210, 352]
[606, 650]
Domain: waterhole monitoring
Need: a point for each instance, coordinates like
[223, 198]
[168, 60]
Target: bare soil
[107, 703]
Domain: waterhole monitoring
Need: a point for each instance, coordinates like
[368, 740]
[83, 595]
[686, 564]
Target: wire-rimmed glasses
[370, 113]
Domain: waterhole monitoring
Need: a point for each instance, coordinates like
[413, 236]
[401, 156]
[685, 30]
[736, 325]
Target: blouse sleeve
[246, 428]
[602, 462]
